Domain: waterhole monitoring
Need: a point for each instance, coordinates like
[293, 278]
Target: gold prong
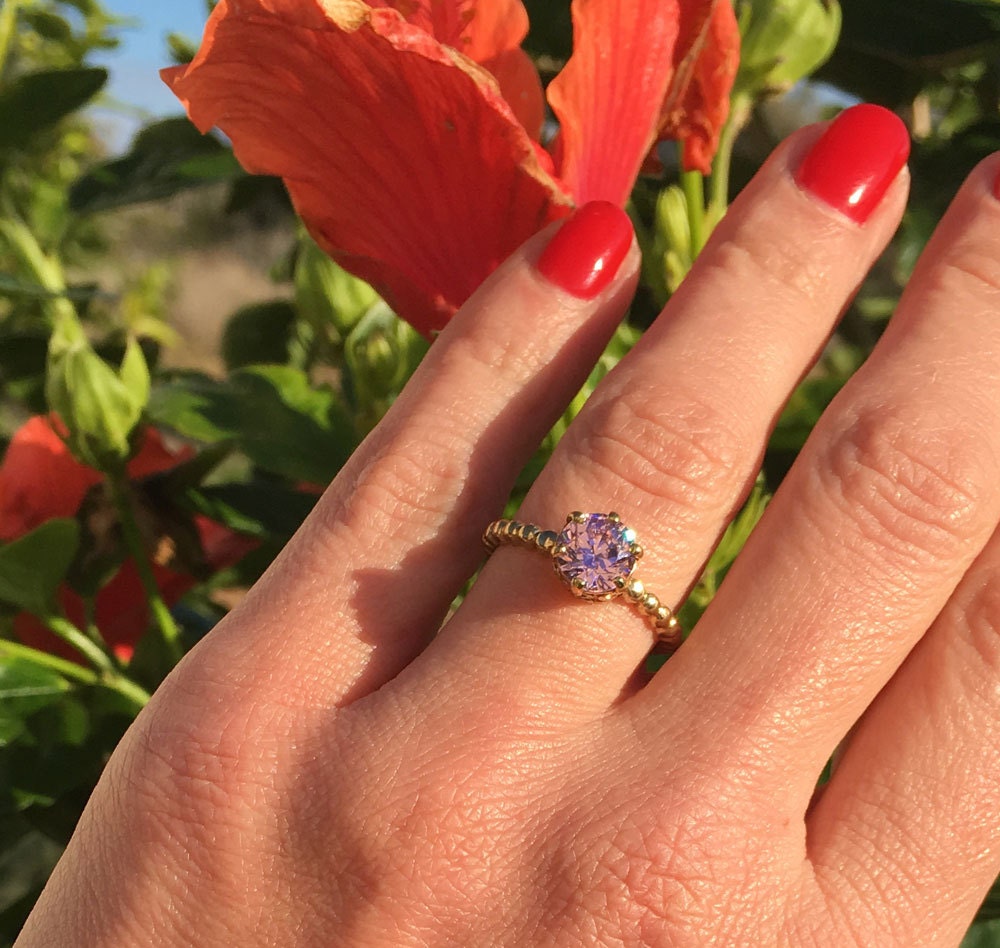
[637, 551]
[614, 517]
[576, 517]
[578, 587]
[561, 550]
[621, 582]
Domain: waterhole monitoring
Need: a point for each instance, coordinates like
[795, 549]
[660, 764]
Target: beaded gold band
[594, 555]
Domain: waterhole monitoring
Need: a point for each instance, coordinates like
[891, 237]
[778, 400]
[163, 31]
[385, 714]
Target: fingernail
[851, 167]
[588, 250]
[996, 187]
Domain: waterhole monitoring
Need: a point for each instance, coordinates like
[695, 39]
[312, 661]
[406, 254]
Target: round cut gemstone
[593, 552]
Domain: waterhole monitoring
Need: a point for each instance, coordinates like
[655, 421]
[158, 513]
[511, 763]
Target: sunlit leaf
[32, 567]
[37, 100]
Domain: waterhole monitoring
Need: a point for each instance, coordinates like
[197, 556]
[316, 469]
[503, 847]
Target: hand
[323, 770]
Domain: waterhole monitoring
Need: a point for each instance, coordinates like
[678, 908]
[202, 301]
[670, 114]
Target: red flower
[40, 480]
[405, 129]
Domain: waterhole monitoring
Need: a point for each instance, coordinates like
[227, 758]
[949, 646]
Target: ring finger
[673, 437]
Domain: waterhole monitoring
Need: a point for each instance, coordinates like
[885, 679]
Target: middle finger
[674, 436]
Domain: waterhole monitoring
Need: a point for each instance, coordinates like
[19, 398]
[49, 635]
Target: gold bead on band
[594, 555]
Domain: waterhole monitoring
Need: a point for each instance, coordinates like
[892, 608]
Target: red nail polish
[852, 165]
[588, 250]
[996, 187]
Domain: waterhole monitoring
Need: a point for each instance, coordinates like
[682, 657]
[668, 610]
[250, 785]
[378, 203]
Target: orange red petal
[641, 70]
[609, 96]
[521, 88]
[404, 161]
[698, 105]
[481, 29]
[40, 480]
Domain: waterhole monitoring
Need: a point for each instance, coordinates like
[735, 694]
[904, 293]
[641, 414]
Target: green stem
[136, 695]
[71, 635]
[694, 190]
[45, 271]
[121, 495]
[739, 115]
[67, 669]
[8, 21]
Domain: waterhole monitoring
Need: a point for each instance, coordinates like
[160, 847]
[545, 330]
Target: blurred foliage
[309, 369]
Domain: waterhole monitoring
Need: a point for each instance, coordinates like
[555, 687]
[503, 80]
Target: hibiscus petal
[400, 155]
[496, 27]
[39, 479]
[609, 96]
[481, 29]
[521, 87]
[698, 104]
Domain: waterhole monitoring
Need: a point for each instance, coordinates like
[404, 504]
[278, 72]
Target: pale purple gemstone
[599, 551]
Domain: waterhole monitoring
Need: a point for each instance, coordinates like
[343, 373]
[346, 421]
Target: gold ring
[594, 555]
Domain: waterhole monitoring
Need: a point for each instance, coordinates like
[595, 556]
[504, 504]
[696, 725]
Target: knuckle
[969, 273]
[490, 354]
[688, 454]
[200, 763]
[911, 487]
[413, 484]
[978, 619]
[792, 272]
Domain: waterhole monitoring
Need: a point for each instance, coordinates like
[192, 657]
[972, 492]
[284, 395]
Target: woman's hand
[323, 770]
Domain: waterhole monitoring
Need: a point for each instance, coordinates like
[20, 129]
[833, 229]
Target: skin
[322, 770]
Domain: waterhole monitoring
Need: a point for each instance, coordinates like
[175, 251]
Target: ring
[595, 556]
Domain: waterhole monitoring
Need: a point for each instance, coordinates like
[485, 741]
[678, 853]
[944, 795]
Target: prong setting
[595, 556]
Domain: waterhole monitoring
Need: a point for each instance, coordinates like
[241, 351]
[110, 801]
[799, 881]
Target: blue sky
[135, 65]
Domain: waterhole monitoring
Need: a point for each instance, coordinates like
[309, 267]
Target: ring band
[595, 555]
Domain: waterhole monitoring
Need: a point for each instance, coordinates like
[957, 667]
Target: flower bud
[326, 294]
[381, 353]
[673, 236]
[99, 406]
[783, 41]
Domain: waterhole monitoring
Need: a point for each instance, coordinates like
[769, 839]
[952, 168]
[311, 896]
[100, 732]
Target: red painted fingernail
[852, 165]
[588, 250]
[996, 187]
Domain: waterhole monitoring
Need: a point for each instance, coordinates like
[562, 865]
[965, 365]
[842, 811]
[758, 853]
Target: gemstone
[595, 554]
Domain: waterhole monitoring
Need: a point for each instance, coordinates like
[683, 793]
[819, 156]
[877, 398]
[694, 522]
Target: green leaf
[32, 567]
[290, 427]
[260, 333]
[182, 50]
[165, 158]
[196, 406]
[279, 419]
[38, 100]
[990, 909]
[25, 688]
[49, 26]
[22, 354]
[134, 372]
[257, 508]
[15, 288]
[889, 50]
[983, 935]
